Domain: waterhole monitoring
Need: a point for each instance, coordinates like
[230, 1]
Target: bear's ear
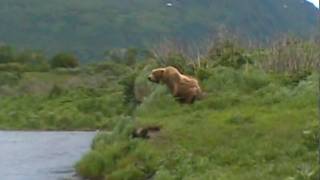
[162, 70]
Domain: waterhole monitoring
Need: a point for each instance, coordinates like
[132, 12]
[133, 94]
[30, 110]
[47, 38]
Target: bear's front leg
[175, 90]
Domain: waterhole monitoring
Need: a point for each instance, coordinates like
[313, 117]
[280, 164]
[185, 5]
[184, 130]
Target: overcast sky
[315, 2]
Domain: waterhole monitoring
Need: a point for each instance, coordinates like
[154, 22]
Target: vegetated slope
[258, 120]
[91, 27]
[251, 126]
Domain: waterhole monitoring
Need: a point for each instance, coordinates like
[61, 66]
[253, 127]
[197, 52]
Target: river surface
[41, 155]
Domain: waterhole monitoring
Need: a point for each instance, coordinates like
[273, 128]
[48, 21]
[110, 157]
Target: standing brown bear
[184, 88]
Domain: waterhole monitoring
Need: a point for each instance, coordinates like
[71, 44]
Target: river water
[41, 155]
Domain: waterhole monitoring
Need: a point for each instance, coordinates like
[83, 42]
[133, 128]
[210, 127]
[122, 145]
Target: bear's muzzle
[152, 79]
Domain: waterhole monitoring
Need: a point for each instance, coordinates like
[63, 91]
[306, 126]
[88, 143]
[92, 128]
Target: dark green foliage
[91, 27]
[131, 56]
[202, 74]
[12, 67]
[128, 84]
[109, 69]
[6, 54]
[64, 60]
[229, 54]
[293, 79]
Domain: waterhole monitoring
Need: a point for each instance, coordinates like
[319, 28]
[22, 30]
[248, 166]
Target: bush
[143, 87]
[202, 74]
[228, 54]
[225, 79]
[12, 67]
[6, 54]
[111, 69]
[129, 97]
[64, 60]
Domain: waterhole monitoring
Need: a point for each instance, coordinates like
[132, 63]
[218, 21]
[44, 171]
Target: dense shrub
[112, 69]
[12, 67]
[229, 54]
[223, 78]
[128, 84]
[64, 60]
[143, 88]
[6, 54]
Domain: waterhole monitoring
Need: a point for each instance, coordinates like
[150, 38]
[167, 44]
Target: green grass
[60, 101]
[71, 111]
[257, 121]
[251, 125]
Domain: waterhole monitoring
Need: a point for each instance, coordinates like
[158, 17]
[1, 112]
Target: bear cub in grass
[184, 88]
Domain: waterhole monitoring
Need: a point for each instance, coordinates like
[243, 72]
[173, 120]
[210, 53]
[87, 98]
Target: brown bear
[184, 88]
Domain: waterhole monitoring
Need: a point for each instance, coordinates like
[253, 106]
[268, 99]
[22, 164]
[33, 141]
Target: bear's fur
[184, 88]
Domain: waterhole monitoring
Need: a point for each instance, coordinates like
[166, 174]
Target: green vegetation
[64, 60]
[91, 27]
[257, 121]
[251, 126]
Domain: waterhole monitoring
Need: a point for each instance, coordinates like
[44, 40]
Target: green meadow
[258, 120]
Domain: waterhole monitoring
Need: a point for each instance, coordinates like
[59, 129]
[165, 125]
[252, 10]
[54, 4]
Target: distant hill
[91, 27]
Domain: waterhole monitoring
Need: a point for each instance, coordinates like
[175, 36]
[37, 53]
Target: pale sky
[315, 2]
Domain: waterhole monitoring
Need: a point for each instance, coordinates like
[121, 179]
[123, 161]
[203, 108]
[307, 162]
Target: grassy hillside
[91, 27]
[250, 127]
[258, 121]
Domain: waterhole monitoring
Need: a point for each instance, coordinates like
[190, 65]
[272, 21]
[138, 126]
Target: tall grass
[290, 55]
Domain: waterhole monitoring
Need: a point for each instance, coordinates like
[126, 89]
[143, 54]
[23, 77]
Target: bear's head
[156, 75]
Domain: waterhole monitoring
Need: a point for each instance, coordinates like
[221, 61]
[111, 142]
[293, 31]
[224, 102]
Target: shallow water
[41, 155]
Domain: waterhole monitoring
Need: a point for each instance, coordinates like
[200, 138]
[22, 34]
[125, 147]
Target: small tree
[228, 53]
[64, 60]
[6, 54]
